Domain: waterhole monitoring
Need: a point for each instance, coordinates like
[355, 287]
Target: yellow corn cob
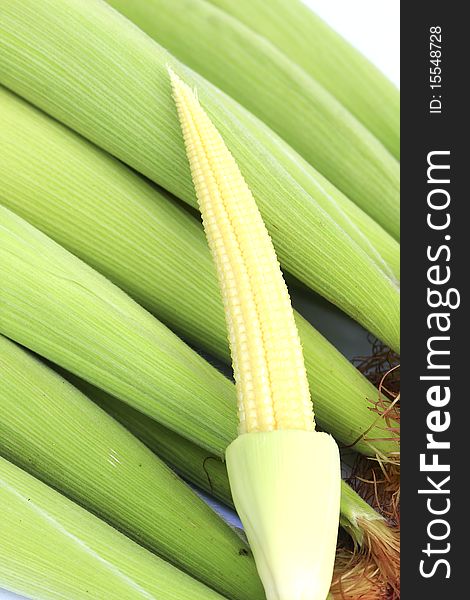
[272, 385]
[285, 477]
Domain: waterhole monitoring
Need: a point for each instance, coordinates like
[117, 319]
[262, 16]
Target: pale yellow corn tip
[267, 358]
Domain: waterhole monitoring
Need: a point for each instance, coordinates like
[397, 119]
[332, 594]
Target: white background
[373, 27]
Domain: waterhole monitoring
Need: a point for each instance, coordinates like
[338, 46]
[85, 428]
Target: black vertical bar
[424, 132]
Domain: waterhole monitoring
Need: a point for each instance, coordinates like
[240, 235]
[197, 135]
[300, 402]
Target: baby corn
[291, 520]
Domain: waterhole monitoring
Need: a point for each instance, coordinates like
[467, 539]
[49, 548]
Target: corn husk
[155, 251]
[307, 40]
[53, 549]
[108, 80]
[61, 308]
[190, 461]
[366, 526]
[50, 429]
[257, 74]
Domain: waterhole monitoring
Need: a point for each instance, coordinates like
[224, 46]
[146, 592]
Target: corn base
[286, 489]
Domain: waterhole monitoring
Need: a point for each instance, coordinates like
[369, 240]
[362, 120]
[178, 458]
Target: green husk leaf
[307, 40]
[61, 308]
[50, 429]
[156, 252]
[190, 461]
[53, 549]
[108, 80]
[254, 72]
